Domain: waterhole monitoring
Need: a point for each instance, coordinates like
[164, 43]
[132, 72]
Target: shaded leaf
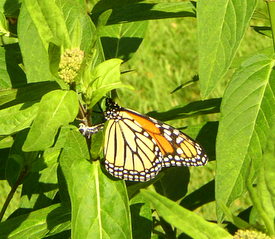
[6, 142]
[199, 197]
[30, 92]
[194, 108]
[36, 224]
[19, 162]
[11, 74]
[18, 117]
[125, 12]
[173, 184]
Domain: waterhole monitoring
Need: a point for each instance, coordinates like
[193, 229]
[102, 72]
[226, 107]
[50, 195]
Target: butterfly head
[112, 109]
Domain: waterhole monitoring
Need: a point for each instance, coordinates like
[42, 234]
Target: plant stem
[271, 11]
[11, 193]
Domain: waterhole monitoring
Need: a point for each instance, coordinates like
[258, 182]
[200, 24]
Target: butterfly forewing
[129, 154]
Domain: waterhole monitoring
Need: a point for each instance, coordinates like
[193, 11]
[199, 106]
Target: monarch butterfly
[137, 147]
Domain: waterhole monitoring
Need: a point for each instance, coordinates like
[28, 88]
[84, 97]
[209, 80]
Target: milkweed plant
[60, 59]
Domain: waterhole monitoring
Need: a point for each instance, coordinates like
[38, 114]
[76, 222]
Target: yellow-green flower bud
[250, 234]
[70, 64]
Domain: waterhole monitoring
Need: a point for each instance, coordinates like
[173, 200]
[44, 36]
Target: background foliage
[207, 63]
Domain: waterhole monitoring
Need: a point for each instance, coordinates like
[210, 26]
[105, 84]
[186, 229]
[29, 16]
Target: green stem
[11, 193]
[271, 11]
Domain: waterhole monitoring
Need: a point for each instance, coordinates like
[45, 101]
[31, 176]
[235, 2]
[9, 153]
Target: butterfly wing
[130, 152]
[137, 146]
[179, 149]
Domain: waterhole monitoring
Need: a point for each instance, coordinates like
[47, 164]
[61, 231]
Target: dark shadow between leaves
[123, 11]
[141, 226]
[31, 92]
[263, 30]
[127, 47]
[198, 198]
[207, 137]
[174, 183]
[10, 225]
[59, 216]
[194, 108]
[13, 60]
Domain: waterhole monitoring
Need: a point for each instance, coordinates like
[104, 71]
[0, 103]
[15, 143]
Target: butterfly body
[137, 147]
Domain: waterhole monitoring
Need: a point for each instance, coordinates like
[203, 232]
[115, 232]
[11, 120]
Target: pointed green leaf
[56, 108]
[247, 109]
[122, 40]
[49, 22]
[188, 222]
[99, 205]
[34, 52]
[18, 117]
[106, 78]
[221, 27]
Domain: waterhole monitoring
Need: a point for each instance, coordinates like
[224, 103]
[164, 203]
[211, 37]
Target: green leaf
[247, 109]
[266, 184]
[80, 27]
[122, 40]
[106, 77]
[188, 222]
[49, 22]
[4, 76]
[34, 52]
[64, 23]
[269, 166]
[36, 224]
[99, 205]
[18, 117]
[56, 108]
[221, 28]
